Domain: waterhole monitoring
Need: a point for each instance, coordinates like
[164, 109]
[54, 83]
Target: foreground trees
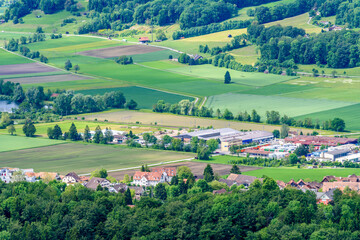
[189, 211]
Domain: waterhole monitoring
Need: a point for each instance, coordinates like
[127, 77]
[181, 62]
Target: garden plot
[25, 68]
[47, 79]
[120, 51]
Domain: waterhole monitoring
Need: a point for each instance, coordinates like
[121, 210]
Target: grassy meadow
[11, 143]
[7, 58]
[84, 158]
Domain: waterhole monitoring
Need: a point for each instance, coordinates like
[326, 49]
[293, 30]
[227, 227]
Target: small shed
[144, 39]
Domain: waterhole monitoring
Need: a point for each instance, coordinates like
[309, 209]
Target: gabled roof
[221, 191]
[73, 175]
[150, 176]
[95, 181]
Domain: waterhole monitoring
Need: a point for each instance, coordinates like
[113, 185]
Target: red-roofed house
[157, 175]
[144, 39]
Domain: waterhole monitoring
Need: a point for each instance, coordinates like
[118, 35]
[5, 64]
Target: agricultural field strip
[137, 167]
[65, 72]
[14, 143]
[285, 105]
[47, 79]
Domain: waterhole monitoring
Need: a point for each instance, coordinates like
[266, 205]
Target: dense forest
[56, 211]
[336, 49]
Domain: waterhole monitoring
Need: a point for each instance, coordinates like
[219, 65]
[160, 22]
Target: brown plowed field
[120, 51]
[197, 169]
[46, 79]
[25, 68]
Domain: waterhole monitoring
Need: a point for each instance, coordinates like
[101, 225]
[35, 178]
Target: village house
[301, 185]
[144, 39]
[6, 174]
[95, 182]
[239, 179]
[324, 197]
[157, 175]
[71, 178]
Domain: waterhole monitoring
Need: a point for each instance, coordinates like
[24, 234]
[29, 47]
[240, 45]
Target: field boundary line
[150, 165]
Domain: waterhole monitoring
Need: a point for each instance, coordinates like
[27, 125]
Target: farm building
[320, 140]
[144, 39]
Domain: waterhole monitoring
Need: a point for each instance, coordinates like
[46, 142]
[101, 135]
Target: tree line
[185, 107]
[335, 49]
[75, 103]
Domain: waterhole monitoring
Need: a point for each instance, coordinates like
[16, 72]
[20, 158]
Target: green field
[11, 143]
[144, 97]
[285, 105]
[237, 77]
[286, 174]
[7, 58]
[350, 114]
[84, 158]
[154, 56]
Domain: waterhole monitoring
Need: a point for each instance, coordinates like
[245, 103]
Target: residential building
[239, 179]
[6, 173]
[157, 175]
[341, 185]
[325, 197]
[95, 182]
[71, 178]
[144, 39]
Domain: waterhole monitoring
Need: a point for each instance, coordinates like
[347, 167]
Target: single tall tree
[227, 78]
[128, 199]
[68, 65]
[11, 129]
[57, 133]
[160, 191]
[235, 169]
[76, 68]
[208, 173]
[73, 134]
[87, 134]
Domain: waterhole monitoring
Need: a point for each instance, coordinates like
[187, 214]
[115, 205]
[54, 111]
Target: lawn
[285, 105]
[350, 114]
[144, 97]
[11, 143]
[246, 55]
[279, 89]
[7, 58]
[246, 78]
[84, 158]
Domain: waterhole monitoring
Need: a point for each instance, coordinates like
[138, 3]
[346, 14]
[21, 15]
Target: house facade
[156, 176]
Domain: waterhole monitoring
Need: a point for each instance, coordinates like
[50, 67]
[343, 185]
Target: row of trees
[236, 42]
[99, 136]
[201, 147]
[335, 49]
[185, 107]
[71, 103]
[211, 28]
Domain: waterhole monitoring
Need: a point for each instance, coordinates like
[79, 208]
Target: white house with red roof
[157, 175]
